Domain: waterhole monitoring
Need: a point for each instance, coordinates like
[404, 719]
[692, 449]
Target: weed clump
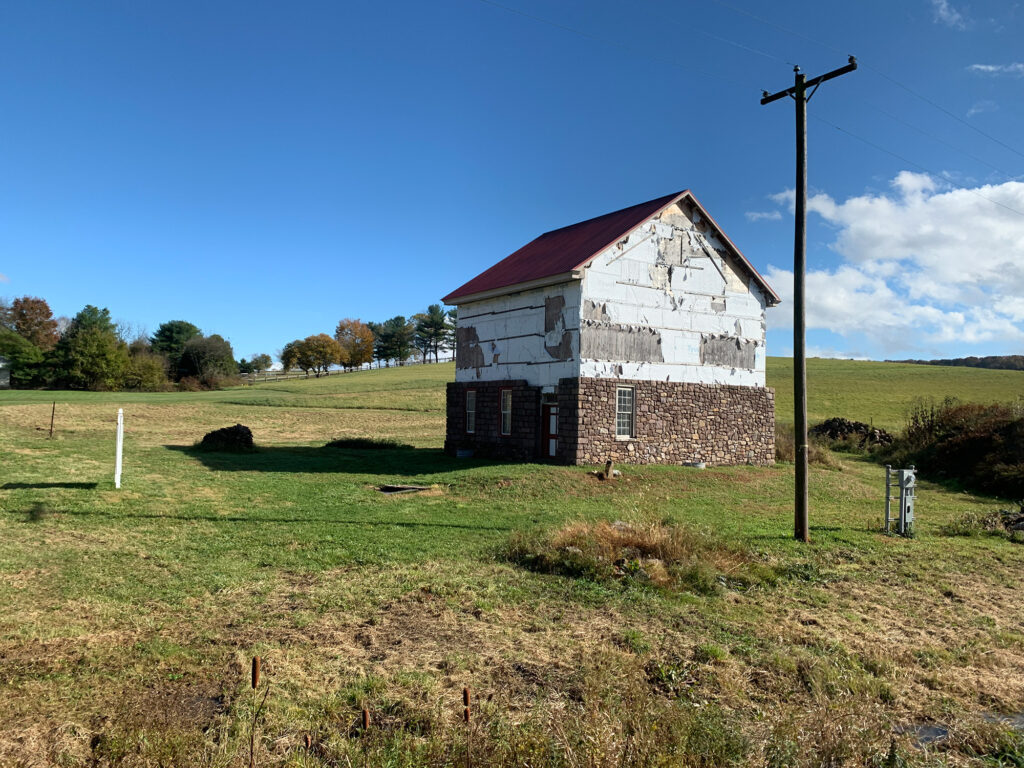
[817, 451]
[1001, 523]
[367, 444]
[661, 554]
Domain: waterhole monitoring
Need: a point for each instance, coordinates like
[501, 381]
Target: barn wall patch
[613, 341]
[468, 352]
[728, 351]
[557, 339]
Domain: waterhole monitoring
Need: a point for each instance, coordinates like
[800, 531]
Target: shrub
[367, 443]
[236, 439]
[146, 372]
[980, 447]
[997, 522]
[817, 452]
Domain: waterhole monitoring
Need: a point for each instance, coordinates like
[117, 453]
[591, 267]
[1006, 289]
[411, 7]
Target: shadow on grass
[38, 512]
[76, 486]
[399, 460]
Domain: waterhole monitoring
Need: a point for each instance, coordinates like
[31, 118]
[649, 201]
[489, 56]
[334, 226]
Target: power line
[929, 171]
[945, 111]
[614, 43]
[933, 137]
[875, 70]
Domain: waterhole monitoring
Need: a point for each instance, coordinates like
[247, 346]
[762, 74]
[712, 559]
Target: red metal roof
[564, 250]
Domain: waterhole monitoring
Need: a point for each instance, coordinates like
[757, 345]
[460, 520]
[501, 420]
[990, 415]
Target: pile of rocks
[838, 428]
[1012, 521]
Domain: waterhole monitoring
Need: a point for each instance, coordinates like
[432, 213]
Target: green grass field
[128, 618]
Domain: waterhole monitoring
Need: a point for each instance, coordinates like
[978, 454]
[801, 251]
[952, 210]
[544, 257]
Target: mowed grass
[127, 618]
[880, 393]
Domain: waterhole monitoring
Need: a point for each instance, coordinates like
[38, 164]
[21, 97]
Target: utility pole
[799, 94]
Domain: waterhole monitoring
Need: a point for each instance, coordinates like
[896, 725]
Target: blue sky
[264, 169]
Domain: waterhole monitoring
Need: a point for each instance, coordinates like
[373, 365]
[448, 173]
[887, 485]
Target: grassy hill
[128, 618]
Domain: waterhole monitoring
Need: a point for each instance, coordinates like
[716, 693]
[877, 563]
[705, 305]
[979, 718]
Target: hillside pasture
[128, 618]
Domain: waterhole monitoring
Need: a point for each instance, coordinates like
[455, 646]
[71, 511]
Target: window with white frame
[471, 411]
[506, 411]
[625, 410]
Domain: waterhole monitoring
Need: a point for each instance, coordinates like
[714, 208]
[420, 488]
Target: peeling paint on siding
[557, 340]
[594, 311]
[728, 351]
[468, 352]
[612, 341]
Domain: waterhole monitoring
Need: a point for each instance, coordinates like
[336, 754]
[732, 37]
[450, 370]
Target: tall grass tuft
[817, 451]
[661, 554]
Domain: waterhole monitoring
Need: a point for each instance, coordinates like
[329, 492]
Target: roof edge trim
[529, 285]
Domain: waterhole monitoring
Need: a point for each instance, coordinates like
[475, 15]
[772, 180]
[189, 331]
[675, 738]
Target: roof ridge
[666, 198]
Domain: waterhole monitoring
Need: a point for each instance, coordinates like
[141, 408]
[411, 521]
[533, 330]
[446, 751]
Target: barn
[637, 336]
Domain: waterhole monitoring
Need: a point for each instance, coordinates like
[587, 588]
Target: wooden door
[549, 431]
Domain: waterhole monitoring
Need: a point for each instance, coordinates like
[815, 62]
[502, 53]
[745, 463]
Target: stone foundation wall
[674, 423]
[524, 441]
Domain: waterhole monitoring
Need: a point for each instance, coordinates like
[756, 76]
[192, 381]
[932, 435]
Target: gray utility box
[904, 483]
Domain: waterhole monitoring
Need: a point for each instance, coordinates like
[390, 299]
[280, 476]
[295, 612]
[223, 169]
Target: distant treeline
[92, 351]
[998, 362]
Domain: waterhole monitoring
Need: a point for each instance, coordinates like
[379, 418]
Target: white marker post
[120, 447]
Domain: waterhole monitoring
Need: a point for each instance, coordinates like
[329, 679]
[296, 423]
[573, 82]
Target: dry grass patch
[664, 554]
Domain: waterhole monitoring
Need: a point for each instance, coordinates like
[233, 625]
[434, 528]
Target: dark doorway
[549, 431]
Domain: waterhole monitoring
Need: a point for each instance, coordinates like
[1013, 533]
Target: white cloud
[763, 215]
[946, 14]
[980, 107]
[834, 354]
[922, 267]
[4, 278]
[1016, 69]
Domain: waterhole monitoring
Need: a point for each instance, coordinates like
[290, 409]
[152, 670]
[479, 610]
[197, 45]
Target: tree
[399, 333]
[32, 319]
[290, 356]
[356, 341]
[208, 357]
[24, 358]
[170, 339]
[6, 321]
[244, 366]
[260, 363]
[318, 353]
[146, 371]
[380, 344]
[433, 329]
[90, 355]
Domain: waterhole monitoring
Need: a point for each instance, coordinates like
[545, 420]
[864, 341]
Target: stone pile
[838, 428]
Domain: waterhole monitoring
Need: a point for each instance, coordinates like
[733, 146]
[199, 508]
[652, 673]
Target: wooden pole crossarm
[813, 82]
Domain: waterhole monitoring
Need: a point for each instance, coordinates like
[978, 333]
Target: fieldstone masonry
[674, 422]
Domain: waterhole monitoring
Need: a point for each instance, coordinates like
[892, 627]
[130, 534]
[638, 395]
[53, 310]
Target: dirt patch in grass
[173, 705]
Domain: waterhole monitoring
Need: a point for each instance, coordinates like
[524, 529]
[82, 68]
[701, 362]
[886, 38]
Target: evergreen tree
[433, 329]
[170, 339]
[90, 355]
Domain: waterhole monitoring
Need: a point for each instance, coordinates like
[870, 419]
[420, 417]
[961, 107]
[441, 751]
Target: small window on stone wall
[471, 411]
[506, 411]
[624, 412]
